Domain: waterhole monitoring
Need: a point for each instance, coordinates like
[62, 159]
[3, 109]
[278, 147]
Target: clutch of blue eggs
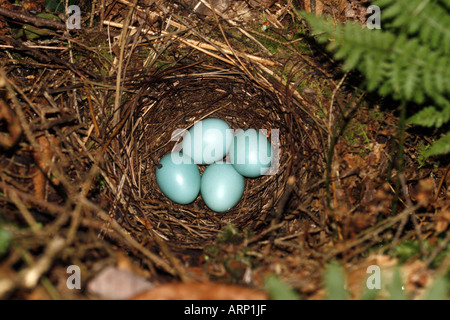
[247, 153]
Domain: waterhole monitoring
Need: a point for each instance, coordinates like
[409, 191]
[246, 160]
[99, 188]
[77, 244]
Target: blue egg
[251, 153]
[208, 141]
[178, 178]
[221, 187]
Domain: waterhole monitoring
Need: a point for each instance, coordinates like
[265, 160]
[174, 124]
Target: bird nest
[177, 102]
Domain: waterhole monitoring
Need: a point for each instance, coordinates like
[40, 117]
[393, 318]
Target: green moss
[229, 235]
[356, 136]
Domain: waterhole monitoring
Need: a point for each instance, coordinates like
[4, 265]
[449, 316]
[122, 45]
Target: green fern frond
[409, 59]
[440, 147]
[431, 117]
[424, 18]
[405, 63]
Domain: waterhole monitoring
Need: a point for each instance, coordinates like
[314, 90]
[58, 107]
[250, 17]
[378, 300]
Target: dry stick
[91, 18]
[122, 42]
[47, 58]
[154, 16]
[61, 214]
[7, 46]
[177, 266]
[102, 14]
[279, 209]
[69, 42]
[316, 220]
[91, 110]
[371, 233]
[50, 207]
[242, 66]
[441, 183]
[127, 237]
[81, 199]
[437, 250]
[265, 232]
[184, 225]
[24, 211]
[154, 258]
[37, 21]
[19, 111]
[201, 46]
[29, 277]
[235, 25]
[405, 219]
[330, 112]
[337, 132]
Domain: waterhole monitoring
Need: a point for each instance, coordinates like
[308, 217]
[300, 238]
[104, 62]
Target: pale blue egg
[208, 141]
[251, 153]
[178, 178]
[221, 187]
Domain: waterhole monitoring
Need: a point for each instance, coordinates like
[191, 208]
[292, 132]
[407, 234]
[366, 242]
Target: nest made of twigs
[177, 102]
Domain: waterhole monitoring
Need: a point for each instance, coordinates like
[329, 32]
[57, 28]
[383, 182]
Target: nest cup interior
[179, 105]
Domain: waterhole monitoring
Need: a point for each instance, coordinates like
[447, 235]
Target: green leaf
[430, 117]
[279, 290]
[440, 147]
[5, 240]
[438, 290]
[396, 287]
[48, 16]
[32, 32]
[334, 280]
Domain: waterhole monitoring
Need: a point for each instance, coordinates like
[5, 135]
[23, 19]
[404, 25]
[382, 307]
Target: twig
[201, 46]
[242, 66]
[279, 209]
[177, 266]
[24, 211]
[336, 133]
[91, 110]
[82, 201]
[265, 232]
[438, 249]
[330, 112]
[29, 277]
[122, 42]
[441, 183]
[385, 224]
[50, 207]
[127, 237]
[7, 46]
[37, 21]
[404, 187]
[153, 15]
[46, 58]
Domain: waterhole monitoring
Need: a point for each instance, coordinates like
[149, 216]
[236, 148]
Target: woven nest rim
[179, 102]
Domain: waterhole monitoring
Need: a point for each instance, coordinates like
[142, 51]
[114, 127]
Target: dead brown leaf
[43, 158]
[12, 124]
[442, 221]
[200, 291]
